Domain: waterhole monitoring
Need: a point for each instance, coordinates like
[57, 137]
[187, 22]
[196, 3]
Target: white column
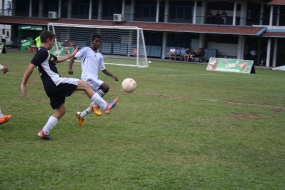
[123, 8]
[100, 7]
[275, 52]
[278, 16]
[166, 11]
[41, 8]
[194, 12]
[69, 8]
[30, 8]
[235, 12]
[157, 11]
[59, 9]
[90, 9]
[132, 12]
[261, 14]
[271, 15]
[164, 39]
[240, 52]
[268, 52]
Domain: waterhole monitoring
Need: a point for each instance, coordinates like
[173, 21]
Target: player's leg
[4, 118]
[95, 97]
[99, 87]
[56, 102]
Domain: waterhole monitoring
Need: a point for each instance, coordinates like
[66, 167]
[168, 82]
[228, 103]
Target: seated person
[200, 53]
[177, 53]
[171, 52]
[192, 54]
[182, 53]
[187, 54]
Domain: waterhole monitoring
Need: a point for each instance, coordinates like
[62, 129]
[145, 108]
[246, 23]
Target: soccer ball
[129, 85]
[149, 61]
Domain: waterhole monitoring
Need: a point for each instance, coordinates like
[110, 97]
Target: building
[258, 24]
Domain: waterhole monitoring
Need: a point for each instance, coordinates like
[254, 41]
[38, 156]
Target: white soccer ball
[149, 61]
[129, 85]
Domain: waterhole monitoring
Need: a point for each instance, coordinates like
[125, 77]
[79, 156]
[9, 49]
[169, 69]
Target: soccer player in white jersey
[91, 61]
[56, 87]
[4, 118]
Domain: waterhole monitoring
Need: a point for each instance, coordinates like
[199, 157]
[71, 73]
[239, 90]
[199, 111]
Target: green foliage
[183, 128]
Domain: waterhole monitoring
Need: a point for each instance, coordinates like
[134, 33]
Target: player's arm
[4, 69]
[26, 77]
[106, 72]
[71, 61]
[66, 57]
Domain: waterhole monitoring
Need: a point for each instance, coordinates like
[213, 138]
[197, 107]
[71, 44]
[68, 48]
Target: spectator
[263, 57]
[4, 37]
[182, 53]
[209, 17]
[224, 17]
[253, 55]
[135, 52]
[192, 54]
[187, 55]
[177, 53]
[218, 17]
[200, 53]
[171, 52]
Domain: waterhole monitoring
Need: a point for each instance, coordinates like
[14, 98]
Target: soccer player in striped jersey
[57, 87]
[91, 61]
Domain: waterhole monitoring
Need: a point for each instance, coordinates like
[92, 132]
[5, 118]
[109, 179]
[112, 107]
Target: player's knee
[104, 87]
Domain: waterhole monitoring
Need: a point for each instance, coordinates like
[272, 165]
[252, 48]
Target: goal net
[120, 45]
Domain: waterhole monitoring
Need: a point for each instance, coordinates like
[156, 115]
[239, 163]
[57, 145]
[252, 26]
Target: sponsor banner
[61, 51]
[230, 65]
[1, 46]
[25, 44]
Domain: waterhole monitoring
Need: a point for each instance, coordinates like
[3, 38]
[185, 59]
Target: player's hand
[70, 71]
[24, 89]
[115, 78]
[75, 51]
[5, 69]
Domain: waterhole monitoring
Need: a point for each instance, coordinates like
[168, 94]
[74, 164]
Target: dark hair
[94, 36]
[47, 35]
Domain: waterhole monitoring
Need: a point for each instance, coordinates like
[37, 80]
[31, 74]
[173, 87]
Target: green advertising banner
[25, 44]
[230, 65]
[61, 51]
[1, 47]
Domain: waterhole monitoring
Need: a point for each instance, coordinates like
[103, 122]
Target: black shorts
[58, 94]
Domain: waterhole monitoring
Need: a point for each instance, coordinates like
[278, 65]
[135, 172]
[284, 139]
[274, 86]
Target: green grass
[183, 128]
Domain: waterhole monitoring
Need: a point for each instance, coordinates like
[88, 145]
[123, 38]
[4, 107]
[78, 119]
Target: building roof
[167, 27]
[277, 2]
[274, 34]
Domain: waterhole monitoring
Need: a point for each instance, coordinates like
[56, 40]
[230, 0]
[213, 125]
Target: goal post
[119, 43]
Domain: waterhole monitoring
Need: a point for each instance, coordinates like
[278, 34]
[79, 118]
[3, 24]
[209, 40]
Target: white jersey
[90, 62]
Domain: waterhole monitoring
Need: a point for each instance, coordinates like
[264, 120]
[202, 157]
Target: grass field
[183, 128]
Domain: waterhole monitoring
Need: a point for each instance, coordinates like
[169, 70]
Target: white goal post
[117, 47]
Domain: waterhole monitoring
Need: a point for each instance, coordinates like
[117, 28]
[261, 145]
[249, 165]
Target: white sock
[100, 92]
[1, 115]
[98, 100]
[87, 111]
[52, 121]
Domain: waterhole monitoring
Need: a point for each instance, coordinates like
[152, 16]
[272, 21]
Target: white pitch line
[213, 100]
